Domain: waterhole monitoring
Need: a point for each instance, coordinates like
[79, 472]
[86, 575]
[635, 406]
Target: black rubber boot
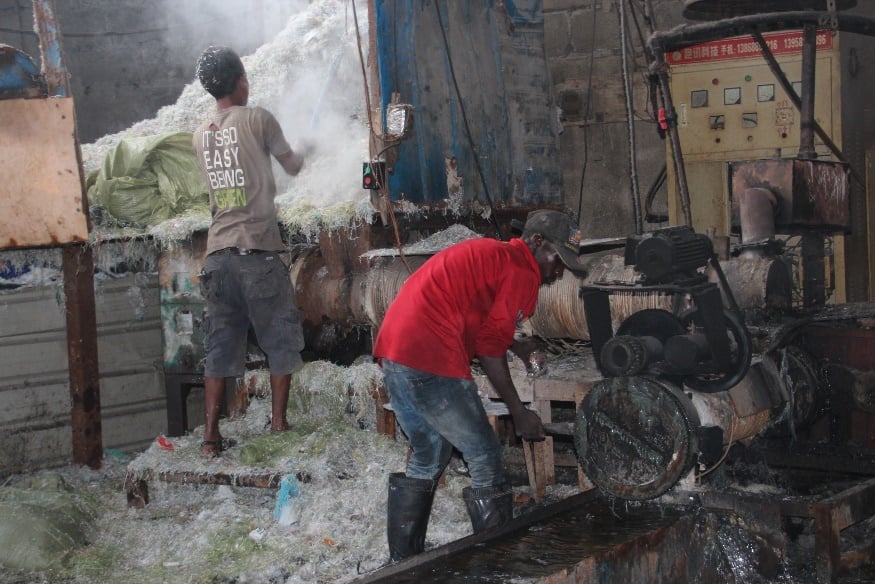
[407, 515]
[488, 507]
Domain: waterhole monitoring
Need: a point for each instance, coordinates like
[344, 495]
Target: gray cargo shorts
[249, 290]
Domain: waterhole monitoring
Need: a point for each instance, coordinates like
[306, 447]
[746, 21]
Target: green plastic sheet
[43, 520]
[147, 180]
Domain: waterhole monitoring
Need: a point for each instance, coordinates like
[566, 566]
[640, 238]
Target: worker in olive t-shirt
[245, 281]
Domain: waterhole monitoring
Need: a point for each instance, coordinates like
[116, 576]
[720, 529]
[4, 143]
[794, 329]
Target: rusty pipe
[361, 296]
[741, 412]
[758, 282]
[756, 207]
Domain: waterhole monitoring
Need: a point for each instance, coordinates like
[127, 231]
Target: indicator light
[373, 175]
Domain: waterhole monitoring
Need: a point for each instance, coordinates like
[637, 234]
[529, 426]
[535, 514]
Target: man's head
[222, 74]
[554, 239]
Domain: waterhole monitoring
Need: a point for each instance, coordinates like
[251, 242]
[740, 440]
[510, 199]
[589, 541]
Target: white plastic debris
[258, 534]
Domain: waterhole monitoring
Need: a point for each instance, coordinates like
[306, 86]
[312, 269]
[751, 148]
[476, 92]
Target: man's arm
[291, 161]
[527, 423]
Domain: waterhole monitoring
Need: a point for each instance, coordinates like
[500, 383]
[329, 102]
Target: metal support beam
[806, 126]
[78, 267]
[54, 69]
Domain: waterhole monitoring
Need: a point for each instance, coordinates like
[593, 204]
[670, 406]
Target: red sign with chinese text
[745, 47]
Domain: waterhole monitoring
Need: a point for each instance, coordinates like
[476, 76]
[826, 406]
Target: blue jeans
[438, 413]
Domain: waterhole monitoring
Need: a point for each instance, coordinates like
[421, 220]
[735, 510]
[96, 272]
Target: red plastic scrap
[164, 443]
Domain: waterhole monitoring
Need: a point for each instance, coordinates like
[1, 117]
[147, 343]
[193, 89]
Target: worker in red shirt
[465, 301]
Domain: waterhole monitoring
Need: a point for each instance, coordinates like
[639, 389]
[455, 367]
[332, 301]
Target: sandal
[217, 446]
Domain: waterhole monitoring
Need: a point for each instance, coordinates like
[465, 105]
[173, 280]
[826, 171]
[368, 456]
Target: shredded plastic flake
[310, 78]
[192, 532]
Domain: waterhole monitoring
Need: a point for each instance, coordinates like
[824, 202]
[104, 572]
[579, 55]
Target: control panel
[730, 106]
[732, 109]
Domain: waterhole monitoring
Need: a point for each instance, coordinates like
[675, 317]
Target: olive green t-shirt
[234, 149]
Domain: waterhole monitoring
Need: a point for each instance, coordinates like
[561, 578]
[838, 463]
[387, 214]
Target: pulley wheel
[636, 436]
[652, 322]
[624, 354]
[710, 378]
[799, 374]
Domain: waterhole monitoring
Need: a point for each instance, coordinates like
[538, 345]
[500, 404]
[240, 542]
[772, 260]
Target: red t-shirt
[467, 300]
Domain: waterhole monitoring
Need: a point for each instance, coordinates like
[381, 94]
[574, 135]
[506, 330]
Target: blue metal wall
[497, 54]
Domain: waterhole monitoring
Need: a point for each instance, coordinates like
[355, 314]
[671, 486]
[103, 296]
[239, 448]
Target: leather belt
[237, 251]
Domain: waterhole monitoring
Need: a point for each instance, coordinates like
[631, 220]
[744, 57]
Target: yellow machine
[731, 108]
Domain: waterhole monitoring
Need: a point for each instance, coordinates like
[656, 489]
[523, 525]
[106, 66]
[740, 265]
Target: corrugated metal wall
[35, 429]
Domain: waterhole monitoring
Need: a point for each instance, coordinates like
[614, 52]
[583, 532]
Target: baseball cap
[559, 229]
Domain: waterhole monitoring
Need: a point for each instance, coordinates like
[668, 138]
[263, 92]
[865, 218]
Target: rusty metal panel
[41, 190]
[34, 400]
[501, 141]
[811, 193]
[54, 69]
[845, 343]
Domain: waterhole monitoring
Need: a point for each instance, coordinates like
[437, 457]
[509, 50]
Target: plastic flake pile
[309, 77]
[334, 526]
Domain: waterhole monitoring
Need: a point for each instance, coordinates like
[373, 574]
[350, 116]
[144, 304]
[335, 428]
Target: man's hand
[526, 422]
[532, 351]
[528, 425]
[305, 147]
[292, 162]
[524, 346]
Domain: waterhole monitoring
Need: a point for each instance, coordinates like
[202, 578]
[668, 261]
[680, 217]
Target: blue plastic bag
[286, 511]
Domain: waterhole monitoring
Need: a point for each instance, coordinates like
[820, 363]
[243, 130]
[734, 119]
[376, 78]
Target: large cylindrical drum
[636, 436]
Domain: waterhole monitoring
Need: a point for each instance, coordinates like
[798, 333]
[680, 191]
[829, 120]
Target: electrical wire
[630, 121]
[650, 116]
[586, 112]
[648, 54]
[372, 146]
[649, 18]
[658, 182]
[725, 453]
[665, 102]
[476, 156]
[650, 77]
[651, 83]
